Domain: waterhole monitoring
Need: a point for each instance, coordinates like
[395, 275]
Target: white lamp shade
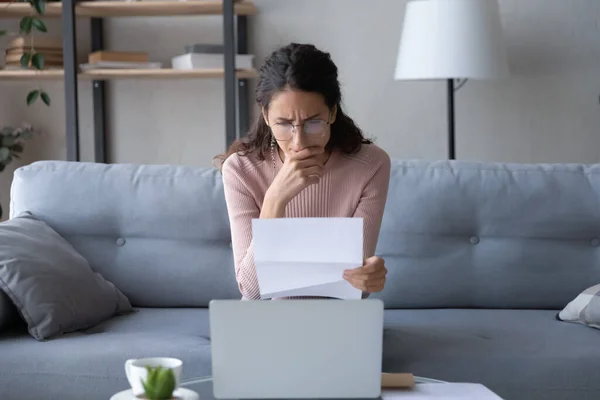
[451, 39]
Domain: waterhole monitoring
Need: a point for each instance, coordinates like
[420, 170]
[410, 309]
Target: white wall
[547, 112]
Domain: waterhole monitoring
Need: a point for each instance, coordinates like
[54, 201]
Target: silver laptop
[296, 348]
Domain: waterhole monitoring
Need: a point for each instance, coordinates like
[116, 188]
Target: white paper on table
[307, 256]
[442, 391]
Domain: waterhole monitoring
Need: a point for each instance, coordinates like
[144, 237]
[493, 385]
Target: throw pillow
[584, 309]
[52, 286]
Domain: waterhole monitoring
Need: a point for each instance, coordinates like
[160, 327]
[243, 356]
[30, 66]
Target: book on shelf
[120, 65]
[36, 42]
[48, 59]
[209, 61]
[119, 60]
[118, 56]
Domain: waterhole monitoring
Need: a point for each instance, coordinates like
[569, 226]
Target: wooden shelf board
[121, 8]
[27, 74]
[18, 10]
[109, 74]
[158, 8]
[101, 74]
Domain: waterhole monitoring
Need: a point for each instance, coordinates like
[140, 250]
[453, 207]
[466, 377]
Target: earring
[273, 142]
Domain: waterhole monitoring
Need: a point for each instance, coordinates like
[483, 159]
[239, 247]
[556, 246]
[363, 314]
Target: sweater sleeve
[242, 208]
[372, 204]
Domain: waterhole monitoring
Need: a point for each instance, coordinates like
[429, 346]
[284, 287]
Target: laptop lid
[296, 348]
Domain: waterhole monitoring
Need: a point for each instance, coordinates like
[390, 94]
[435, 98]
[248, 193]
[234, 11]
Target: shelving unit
[234, 26]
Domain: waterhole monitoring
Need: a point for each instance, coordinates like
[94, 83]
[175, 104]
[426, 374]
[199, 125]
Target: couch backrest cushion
[159, 233]
[454, 234]
[467, 234]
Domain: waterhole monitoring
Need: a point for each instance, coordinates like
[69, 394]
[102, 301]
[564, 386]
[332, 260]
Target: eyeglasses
[312, 128]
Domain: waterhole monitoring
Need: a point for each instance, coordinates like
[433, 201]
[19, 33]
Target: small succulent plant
[159, 384]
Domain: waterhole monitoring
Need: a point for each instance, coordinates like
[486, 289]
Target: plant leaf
[4, 155]
[25, 59]
[7, 130]
[26, 134]
[39, 5]
[7, 140]
[165, 384]
[39, 25]
[45, 98]
[38, 60]
[32, 96]
[2, 32]
[17, 148]
[25, 25]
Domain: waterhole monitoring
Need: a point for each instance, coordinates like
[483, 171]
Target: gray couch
[481, 257]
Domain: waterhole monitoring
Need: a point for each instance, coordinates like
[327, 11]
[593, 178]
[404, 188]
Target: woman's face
[299, 120]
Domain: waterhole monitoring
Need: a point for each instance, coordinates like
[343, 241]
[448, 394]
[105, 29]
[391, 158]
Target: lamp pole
[451, 122]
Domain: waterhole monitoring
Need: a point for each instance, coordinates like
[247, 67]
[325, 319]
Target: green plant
[28, 26]
[159, 384]
[11, 145]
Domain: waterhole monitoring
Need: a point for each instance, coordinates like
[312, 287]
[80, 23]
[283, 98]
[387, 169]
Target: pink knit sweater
[353, 185]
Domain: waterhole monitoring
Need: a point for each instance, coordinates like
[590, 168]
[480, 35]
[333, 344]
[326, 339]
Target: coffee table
[204, 385]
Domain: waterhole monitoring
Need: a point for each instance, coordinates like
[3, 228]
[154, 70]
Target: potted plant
[159, 384]
[11, 145]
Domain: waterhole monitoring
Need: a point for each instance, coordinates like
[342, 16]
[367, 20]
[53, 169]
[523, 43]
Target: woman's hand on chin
[370, 277]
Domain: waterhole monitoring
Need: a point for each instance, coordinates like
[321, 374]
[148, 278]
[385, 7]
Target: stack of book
[50, 47]
[119, 60]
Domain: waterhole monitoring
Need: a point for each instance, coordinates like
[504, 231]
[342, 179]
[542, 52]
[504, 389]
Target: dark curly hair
[306, 68]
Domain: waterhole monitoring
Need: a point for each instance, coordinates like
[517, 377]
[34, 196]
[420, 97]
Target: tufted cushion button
[120, 242]
[474, 240]
[595, 242]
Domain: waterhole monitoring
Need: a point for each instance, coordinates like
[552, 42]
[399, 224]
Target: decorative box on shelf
[208, 56]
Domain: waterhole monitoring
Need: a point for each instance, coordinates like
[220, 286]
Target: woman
[304, 158]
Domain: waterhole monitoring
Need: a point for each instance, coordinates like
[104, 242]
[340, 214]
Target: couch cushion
[488, 235]
[520, 354]
[159, 233]
[91, 363]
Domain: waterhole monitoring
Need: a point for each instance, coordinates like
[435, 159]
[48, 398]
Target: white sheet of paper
[307, 256]
[442, 391]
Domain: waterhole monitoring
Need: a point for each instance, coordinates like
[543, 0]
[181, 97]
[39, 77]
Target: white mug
[136, 372]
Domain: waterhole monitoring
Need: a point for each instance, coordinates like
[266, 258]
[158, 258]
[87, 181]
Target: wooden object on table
[400, 380]
[119, 56]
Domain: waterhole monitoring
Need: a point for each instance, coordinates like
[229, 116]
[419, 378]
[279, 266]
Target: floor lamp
[454, 40]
